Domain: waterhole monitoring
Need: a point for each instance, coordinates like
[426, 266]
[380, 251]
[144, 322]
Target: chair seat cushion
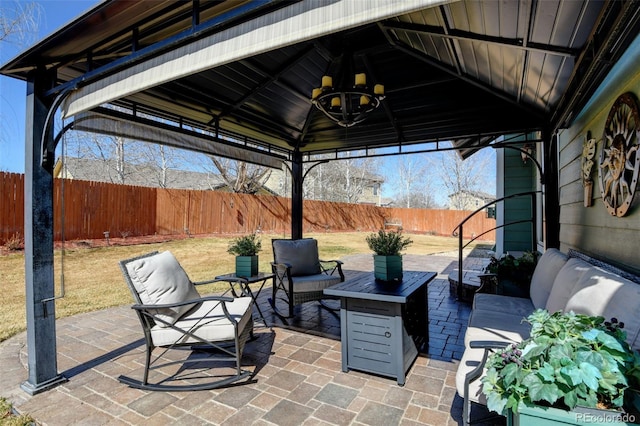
[317, 282]
[206, 320]
[159, 279]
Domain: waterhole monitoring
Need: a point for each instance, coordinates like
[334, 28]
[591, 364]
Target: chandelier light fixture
[352, 100]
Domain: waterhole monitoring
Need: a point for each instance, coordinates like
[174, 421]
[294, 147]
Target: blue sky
[54, 14]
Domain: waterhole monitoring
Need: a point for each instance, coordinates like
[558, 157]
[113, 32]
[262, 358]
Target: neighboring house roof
[476, 194]
[135, 174]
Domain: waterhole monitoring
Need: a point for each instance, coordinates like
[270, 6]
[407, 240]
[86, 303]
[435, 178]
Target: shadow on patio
[297, 370]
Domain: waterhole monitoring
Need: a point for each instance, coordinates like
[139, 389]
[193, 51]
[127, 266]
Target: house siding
[592, 229]
[517, 237]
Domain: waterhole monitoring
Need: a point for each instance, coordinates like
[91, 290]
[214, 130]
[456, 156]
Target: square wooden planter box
[545, 416]
[246, 266]
[387, 268]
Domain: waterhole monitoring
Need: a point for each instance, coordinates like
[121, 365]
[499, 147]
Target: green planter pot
[387, 268]
[545, 416]
[510, 287]
[246, 266]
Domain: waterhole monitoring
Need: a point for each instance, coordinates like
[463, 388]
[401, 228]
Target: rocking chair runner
[173, 315]
[300, 276]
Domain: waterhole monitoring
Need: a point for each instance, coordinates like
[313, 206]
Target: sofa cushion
[301, 254]
[159, 279]
[563, 285]
[602, 293]
[496, 326]
[544, 275]
[519, 306]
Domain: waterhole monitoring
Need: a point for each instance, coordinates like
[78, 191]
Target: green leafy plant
[247, 245]
[9, 418]
[570, 359]
[389, 243]
[509, 267]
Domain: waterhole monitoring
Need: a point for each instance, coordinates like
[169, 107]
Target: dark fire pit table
[383, 326]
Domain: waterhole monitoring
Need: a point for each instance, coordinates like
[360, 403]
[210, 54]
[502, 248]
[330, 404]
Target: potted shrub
[571, 364]
[513, 274]
[387, 261]
[246, 250]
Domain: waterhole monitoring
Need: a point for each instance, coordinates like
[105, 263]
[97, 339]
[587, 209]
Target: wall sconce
[526, 152]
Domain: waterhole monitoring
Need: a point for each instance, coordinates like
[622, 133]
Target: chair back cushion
[301, 254]
[565, 281]
[544, 275]
[160, 279]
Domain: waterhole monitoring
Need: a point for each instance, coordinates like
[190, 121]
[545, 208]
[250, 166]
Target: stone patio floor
[297, 380]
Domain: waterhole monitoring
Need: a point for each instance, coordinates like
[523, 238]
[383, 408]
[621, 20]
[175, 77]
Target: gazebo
[274, 82]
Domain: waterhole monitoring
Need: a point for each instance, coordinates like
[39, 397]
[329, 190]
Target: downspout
[551, 190]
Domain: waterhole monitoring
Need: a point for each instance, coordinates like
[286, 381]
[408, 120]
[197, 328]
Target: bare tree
[19, 22]
[240, 176]
[460, 175]
[341, 180]
[413, 182]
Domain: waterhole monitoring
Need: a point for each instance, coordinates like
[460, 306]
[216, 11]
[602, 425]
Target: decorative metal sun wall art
[619, 158]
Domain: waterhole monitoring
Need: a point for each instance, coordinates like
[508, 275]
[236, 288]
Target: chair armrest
[222, 280]
[186, 302]
[275, 267]
[337, 266]
[332, 260]
[488, 344]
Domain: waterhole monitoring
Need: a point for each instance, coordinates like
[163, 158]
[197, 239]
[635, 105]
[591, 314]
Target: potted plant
[246, 250]
[513, 274]
[571, 363]
[387, 261]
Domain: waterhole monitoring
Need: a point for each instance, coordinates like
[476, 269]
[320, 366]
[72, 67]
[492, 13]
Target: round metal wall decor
[619, 158]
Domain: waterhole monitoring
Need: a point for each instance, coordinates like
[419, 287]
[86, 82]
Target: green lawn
[93, 281]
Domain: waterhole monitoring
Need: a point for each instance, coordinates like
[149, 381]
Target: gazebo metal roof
[466, 71]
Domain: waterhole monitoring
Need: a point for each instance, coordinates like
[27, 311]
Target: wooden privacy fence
[89, 209]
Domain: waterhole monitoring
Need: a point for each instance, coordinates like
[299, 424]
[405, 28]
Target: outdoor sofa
[560, 282]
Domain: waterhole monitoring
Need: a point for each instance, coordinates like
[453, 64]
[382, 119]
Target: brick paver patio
[297, 380]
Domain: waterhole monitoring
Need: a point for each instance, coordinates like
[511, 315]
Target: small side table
[245, 288]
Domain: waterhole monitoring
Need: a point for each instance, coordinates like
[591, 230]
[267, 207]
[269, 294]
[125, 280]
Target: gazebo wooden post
[297, 180]
[38, 238]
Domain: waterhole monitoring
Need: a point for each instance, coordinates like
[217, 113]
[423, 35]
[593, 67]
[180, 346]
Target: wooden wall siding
[593, 230]
[518, 178]
[91, 208]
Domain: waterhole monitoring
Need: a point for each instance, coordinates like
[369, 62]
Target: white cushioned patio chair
[173, 315]
[300, 275]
